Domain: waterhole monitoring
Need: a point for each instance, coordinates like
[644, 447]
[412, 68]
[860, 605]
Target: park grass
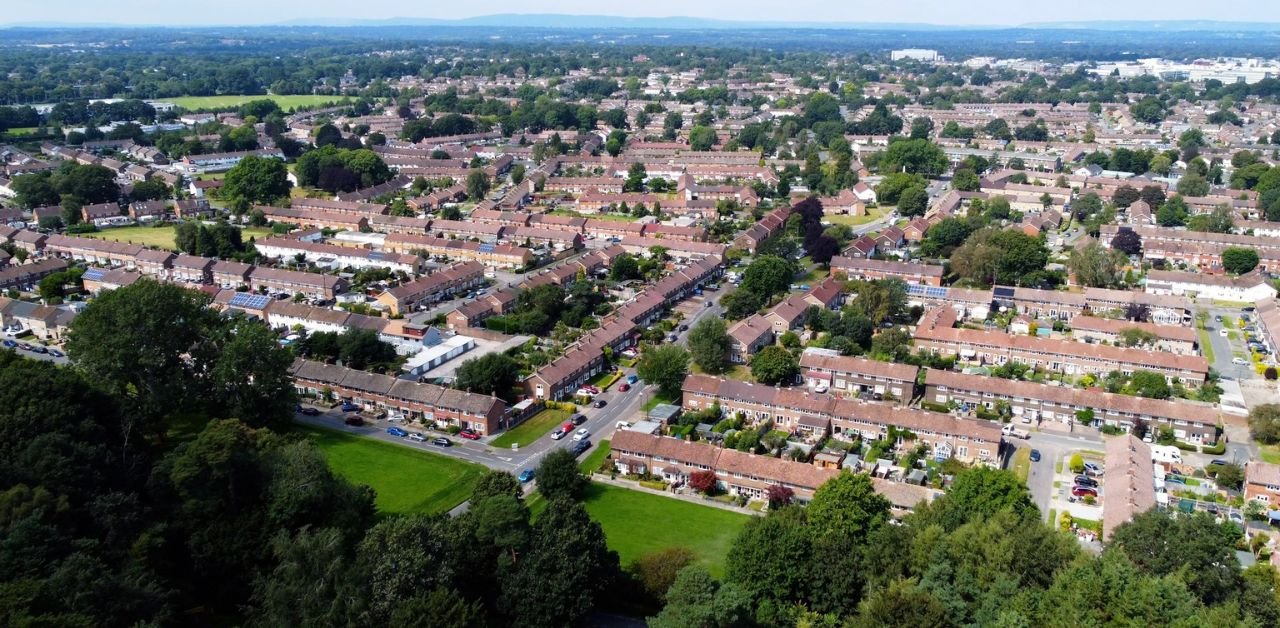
[406, 480]
[162, 237]
[1269, 453]
[22, 131]
[739, 372]
[658, 399]
[637, 524]
[1022, 464]
[600, 216]
[532, 429]
[873, 213]
[596, 458]
[231, 102]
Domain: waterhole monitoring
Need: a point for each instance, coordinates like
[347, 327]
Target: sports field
[161, 237]
[231, 102]
[406, 480]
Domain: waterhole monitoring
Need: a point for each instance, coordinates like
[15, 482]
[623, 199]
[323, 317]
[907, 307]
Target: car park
[1084, 480]
[395, 431]
[418, 437]
[353, 421]
[469, 434]
[442, 442]
[526, 476]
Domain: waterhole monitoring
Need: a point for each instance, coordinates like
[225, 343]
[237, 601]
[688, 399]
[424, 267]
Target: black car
[580, 446]
[442, 442]
[579, 419]
[309, 411]
[600, 403]
[1084, 480]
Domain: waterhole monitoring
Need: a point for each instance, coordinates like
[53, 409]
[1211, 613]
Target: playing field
[406, 480]
[231, 102]
[161, 237]
[638, 523]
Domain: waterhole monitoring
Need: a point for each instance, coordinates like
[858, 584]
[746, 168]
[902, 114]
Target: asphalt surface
[60, 361]
[1052, 447]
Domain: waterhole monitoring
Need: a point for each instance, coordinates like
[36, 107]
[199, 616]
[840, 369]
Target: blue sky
[931, 11]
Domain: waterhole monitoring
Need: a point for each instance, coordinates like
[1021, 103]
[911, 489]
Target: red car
[624, 388]
[469, 435]
[1084, 491]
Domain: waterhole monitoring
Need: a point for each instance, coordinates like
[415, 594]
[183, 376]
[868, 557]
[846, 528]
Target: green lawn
[407, 481]
[1269, 453]
[593, 460]
[22, 130]
[161, 237]
[600, 216]
[853, 221]
[1022, 464]
[740, 372]
[658, 399]
[532, 429]
[638, 523]
[1206, 345]
[231, 102]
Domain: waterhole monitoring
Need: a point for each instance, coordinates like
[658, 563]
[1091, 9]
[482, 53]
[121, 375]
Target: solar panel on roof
[94, 274]
[1003, 291]
[249, 301]
[486, 248]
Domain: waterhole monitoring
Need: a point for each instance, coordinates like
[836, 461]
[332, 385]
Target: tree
[251, 374]
[1193, 185]
[917, 156]
[823, 249]
[710, 344]
[770, 556]
[1127, 241]
[494, 483]
[665, 367]
[558, 476]
[921, 128]
[1239, 260]
[965, 180]
[1005, 257]
[901, 604]
[1097, 266]
[767, 276]
[696, 599]
[847, 504]
[703, 481]
[702, 138]
[778, 496]
[491, 374]
[1220, 220]
[894, 184]
[361, 349]
[625, 267]
[567, 564]
[914, 201]
[1264, 423]
[978, 494]
[658, 570]
[256, 181]
[616, 140]
[636, 177]
[775, 365]
[1197, 546]
[477, 184]
[1230, 476]
[1125, 196]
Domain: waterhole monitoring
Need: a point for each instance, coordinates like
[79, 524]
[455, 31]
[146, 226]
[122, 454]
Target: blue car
[526, 475]
[1035, 455]
[10, 344]
[631, 379]
[350, 407]
[397, 432]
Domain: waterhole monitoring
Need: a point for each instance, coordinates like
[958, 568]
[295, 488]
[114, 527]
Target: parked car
[631, 379]
[39, 349]
[1239, 361]
[1035, 455]
[526, 476]
[684, 328]
[55, 353]
[1092, 468]
[1084, 491]
[469, 434]
[354, 421]
[394, 416]
[624, 388]
[578, 419]
[418, 437]
[581, 434]
[24, 346]
[310, 411]
[10, 344]
[558, 433]
[1084, 480]
[1217, 462]
[397, 432]
[347, 406]
[442, 442]
[600, 403]
[1174, 478]
[580, 447]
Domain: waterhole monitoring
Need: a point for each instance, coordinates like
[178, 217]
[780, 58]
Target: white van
[1167, 454]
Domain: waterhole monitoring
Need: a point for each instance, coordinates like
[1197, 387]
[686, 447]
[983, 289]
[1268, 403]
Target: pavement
[60, 361]
[1053, 447]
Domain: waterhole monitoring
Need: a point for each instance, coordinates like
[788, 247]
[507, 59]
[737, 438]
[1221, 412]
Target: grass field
[1022, 464]
[406, 481]
[161, 237]
[638, 523]
[593, 460]
[658, 399]
[231, 102]
[853, 221]
[1269, 453]
[22, 130]
[532, 429]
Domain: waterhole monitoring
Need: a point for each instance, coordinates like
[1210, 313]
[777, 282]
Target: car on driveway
[526, 476]
[1084, 491]
[1084, 480]
[418, 437]
[1035, 455]
[395, 431]
[350, 407]
[442, 442]
[581, 434]
[469, 434]
[1092, 468]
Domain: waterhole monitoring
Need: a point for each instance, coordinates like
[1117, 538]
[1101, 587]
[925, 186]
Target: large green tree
[256, 180]
[491, 374]
[775, 365]
[709, 345]
[664, 366]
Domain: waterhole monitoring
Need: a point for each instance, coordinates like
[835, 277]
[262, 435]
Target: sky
[950, 12]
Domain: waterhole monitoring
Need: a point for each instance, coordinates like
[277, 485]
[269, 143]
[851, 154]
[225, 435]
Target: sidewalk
[693, 499]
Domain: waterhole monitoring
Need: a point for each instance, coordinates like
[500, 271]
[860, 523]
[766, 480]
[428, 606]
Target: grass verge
[532, 429]
[406, 480]
[596, 458]
[1206, 345]
[1022, 464]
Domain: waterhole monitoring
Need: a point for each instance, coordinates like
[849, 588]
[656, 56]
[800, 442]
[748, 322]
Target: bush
[1184, 446]
[935, 407]
[1214, 450]
[1077, 463]
[657, 485]
[1112, 430]
[453, 429]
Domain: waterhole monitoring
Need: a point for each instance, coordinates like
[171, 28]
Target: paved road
[60, 361]
[1052, 447]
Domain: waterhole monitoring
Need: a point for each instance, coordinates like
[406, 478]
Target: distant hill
[1162, 25]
